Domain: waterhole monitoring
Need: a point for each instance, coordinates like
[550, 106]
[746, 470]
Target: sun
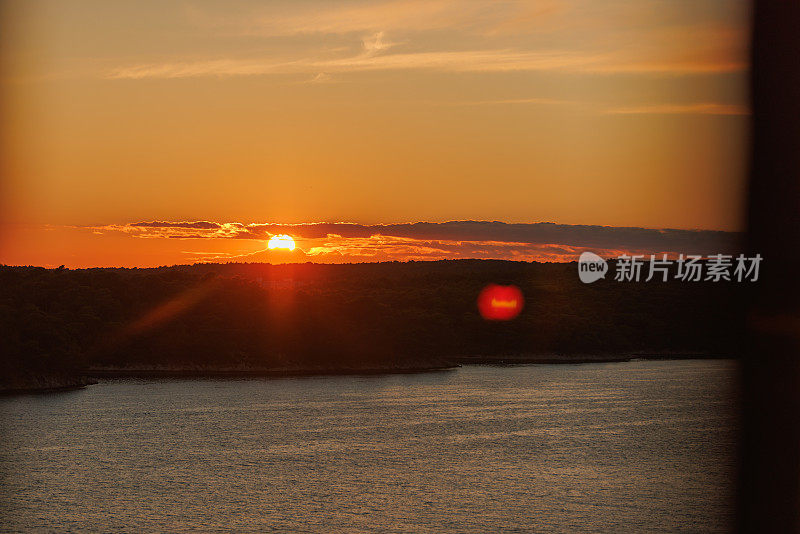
[281, 241]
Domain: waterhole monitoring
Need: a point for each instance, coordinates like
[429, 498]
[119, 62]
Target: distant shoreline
[64, 382]
[256, 373]
[552, 359]
[557, 359]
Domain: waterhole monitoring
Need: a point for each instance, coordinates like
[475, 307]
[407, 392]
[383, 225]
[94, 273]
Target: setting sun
[281, 241]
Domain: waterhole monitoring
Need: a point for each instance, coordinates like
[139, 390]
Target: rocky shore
[277, 372]
[42, 382]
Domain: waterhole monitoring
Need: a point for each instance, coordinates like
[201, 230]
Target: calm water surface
[626, 447]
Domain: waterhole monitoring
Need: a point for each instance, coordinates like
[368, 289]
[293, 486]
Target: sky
[121, 119]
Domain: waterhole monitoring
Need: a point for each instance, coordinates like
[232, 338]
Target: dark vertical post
[770, 476]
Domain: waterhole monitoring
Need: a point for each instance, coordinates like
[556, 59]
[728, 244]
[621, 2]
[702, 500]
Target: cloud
[375, 43]
[337, 249]
[322, 77]
[703, 108]
[368, 60]
[578, 36]
[371, 59]
[464, 36]
[706, 108]
[203, 225]
[262, 256]
[516, 101]
[386, 248]
[329, 18]
[481, 239]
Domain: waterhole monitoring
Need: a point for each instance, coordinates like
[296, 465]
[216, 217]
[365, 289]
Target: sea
[640, 446]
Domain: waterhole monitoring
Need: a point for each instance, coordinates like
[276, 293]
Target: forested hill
[353, 316]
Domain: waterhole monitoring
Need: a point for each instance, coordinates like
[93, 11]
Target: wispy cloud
[645, 37]
[703, 108]
[492, 60]
[321, 77]
[476, 60]
[706, 108]
[375, 43]
[515, 101]
[380, 15]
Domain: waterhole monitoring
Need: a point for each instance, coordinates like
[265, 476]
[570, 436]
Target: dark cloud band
[584, 236]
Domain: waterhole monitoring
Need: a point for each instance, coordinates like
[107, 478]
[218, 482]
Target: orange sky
[579, 112]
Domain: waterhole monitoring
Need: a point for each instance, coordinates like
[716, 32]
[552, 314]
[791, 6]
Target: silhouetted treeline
[335, 316]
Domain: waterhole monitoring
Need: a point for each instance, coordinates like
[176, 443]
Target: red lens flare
[500, 303]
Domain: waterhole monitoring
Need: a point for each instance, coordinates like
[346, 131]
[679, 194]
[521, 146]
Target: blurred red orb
[500, 303]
